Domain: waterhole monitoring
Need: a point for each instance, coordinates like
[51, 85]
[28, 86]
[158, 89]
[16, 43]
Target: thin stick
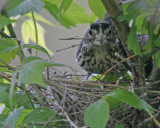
[89, 83]
[76, 38]
[115, 66]
[72, 46]
[154, 119]
[85, 39]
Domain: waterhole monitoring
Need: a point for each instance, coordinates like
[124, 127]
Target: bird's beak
[100, 38]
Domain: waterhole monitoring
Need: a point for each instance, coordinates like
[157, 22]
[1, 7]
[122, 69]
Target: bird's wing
[80, 47]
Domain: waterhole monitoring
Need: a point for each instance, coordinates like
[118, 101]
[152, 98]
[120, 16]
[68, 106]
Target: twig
[115, 66]
[5, 77]
[49, 125]
[88, 83]
[67, 117]
[154, 119]
[8, 66]
[65, 114]
[153, 83]
[71, 38]
[74, 38]
[148, 119]
[82, 92]
[68, 47]
[157, 92]
[88, 39]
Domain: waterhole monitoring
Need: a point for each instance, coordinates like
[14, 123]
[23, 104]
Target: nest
[71, 97]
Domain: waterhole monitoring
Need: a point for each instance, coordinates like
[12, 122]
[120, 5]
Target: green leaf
[11, 120]
[40, 114]
[30, 58]
[40, 18]
[7, 45]
[37, 47]
[12, 4]
[97, 114]
[74, 15]
[28, 32]
[26, 6]
[150, 2]
[98, 8]
[96, 76]
[65, 4]
[157, 42]
[156, 58]
[8, 50]
[114, 103]
[11, 92]
[31, 72]
[132, 41]
[149, 44]
[2, 118]
[130, 99]
[4, 91]
[139, 5]
[20, 99]
[5, 21]
[24, 113]
[139, 22]
[111, 77]
[156, 30]
[124, 6]
[122, 18]
[128, 17]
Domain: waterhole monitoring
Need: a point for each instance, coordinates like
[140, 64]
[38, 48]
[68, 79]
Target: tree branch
[114, 10]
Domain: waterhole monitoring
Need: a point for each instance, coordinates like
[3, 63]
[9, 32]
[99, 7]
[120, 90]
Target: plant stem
[4, 34]
[36, 31]
[9, 26]
[13, 35]
[25, 90]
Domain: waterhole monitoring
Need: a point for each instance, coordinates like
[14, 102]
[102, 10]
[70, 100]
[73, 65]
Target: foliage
[19, 107]
[97, 114]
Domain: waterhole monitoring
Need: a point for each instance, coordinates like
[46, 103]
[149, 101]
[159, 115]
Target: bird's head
[99, 33]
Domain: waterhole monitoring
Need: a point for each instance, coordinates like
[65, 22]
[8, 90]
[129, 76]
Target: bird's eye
[90, 32]
[107, 32]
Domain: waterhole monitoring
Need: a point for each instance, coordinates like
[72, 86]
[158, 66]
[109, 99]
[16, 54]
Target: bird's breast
[99, 59]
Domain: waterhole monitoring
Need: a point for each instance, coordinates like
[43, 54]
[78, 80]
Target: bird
[101, 48]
